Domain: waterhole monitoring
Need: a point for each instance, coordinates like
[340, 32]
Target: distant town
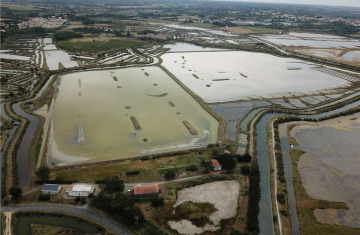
[52, 22]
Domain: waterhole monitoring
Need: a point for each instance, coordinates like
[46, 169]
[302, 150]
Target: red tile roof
[70, 187]
[215, 163]
[146, 189]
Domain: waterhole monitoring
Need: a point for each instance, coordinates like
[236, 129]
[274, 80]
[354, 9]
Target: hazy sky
[351, 3]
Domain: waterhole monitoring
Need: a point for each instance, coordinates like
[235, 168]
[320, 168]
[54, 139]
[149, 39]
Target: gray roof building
[50, 188]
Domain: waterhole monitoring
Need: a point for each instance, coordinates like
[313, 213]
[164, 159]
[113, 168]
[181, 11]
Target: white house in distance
[217, 166]
[50, 188]
[79, 189]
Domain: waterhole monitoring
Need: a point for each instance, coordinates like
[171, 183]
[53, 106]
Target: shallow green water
[24, 222]
[104, 107]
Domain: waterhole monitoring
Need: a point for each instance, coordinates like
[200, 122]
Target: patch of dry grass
[148, 169]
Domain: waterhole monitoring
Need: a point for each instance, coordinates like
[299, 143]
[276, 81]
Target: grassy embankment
[276, 165]
[150, 170]
[291, 139]
[263, 29]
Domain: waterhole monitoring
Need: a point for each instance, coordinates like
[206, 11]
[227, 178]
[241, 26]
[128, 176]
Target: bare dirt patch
[223, 195]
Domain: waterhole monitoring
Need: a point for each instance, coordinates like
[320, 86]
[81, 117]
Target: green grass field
[18, 7]
[263, 30]
[355, 35]
[96, 46]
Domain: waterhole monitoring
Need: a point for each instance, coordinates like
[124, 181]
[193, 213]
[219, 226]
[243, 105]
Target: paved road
[83, 211]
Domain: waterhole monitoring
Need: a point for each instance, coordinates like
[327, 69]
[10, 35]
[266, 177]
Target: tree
[43, 197]
[128, 34]
[191, 168]
[170, 174]
[244, 158]
[133, 215]
[83, 200]
[158, 201]
[208, 166]
[16, 193]
[102, 200]
[59, 179]
[245, 169]
[227, 161]
[113, 184]
[77, 199]
[215, 152]
[43, 173]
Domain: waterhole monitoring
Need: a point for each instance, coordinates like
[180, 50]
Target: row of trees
[65, 35]
[229, 161]
[118, 205]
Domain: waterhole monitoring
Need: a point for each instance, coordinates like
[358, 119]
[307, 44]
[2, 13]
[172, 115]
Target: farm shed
[50, 188]
[217, 166]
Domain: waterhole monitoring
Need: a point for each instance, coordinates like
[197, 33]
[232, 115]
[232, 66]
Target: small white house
[79, 189]
[50, 189]
[217, 166]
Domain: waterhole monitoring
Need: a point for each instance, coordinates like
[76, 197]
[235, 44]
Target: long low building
[147, 190]
[79, 189]
[50, 189]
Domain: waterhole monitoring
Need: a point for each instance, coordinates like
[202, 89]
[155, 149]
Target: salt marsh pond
[330, 168]
[312, 40]
[125, 113]
[228, 76]
[54, 57]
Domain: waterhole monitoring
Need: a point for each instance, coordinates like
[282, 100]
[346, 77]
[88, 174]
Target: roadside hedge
[55, 181]
[132, 172]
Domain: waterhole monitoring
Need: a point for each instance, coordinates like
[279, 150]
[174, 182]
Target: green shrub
[170, 174]
[281, 198]
[145, 158]
[132, 172]
[191, 168]
[284, 212]
[43, 197]
[214, 152]
[55, 181]
[159, 201]
[245, 169]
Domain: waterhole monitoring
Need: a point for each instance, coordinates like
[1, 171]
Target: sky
[349, 3]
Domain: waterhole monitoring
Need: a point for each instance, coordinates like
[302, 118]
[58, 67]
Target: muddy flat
[330, 168]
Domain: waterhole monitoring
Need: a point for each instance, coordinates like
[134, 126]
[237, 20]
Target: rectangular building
[217, 166]
[50, 188]
[79, 189]
[147, 190]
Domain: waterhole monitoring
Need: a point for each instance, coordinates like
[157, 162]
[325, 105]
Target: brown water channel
[22, 155]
